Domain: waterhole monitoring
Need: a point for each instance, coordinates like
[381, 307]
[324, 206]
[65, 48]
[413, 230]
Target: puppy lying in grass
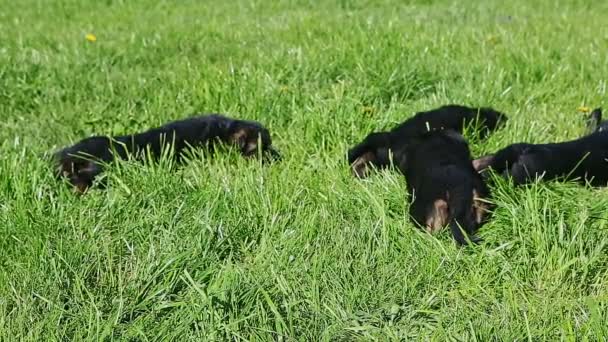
[374, 149]
[81, 163]
[584, 159]
[445, 188]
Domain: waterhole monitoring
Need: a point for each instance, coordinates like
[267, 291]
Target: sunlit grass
[227, 248]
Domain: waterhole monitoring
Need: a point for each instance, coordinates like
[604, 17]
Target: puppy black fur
[81, 163]
[374, 149]
[584, 159]
[445, 187]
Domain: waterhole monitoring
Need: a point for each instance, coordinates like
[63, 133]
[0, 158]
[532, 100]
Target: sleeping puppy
[584, 159]
[374, 149]
[595, 123]
[445, 188]
[81, 163]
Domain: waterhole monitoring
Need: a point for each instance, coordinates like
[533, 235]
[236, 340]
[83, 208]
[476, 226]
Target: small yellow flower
[368, 110]
[492, 39]
[584, 109]
[284, 89]
[90, 37]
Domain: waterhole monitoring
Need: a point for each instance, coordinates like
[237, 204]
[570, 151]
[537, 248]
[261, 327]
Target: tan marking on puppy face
[250, 148]
[482, 163]
[239, 137]
[480, 208]
[438, 217]
[360, 167]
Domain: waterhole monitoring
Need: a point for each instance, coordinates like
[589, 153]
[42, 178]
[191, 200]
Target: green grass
[229, 249]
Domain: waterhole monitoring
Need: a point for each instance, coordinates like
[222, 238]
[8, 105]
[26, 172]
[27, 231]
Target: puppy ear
[483, 163]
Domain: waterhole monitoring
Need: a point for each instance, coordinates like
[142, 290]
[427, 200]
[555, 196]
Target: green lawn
[226, 248]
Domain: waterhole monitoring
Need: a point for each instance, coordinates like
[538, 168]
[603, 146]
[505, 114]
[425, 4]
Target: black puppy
[83, 162]
[374, 149]
[444, 186]
[584, 159]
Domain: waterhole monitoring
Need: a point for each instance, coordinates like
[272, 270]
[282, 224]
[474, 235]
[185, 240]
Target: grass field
[229, 249]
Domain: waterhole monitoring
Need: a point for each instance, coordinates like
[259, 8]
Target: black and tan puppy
[584, 159]
[374, 149]
[81, 163]
[445, 188]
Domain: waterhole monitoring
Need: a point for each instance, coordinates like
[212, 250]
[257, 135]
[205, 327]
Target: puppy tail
[462, 223]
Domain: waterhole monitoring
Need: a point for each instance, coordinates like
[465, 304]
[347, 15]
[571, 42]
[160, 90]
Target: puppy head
[77, 170]
[374, 151]
[249, 135]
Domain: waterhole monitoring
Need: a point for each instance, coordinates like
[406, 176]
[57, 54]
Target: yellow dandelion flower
[368, 109]
[492, 39]
[284, 89]
[584, 109]
[90, 37]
